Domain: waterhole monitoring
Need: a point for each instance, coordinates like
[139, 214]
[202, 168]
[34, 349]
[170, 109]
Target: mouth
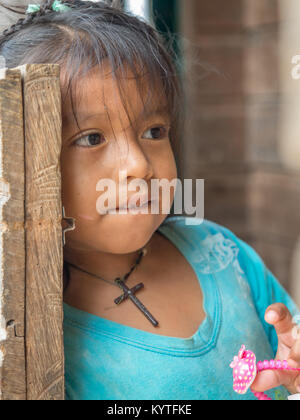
[128, 209]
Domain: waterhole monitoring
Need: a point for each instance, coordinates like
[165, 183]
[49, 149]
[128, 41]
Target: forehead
[98, 92]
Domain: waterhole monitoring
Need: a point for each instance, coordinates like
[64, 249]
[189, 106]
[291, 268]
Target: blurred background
[239, 61]
[241, 78]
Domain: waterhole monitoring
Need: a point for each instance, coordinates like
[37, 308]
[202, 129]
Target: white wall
[140, 8]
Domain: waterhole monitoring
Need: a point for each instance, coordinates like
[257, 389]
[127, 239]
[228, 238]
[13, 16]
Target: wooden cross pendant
[130, 293]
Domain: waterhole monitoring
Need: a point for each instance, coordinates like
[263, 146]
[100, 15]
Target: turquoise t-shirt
[105, 360]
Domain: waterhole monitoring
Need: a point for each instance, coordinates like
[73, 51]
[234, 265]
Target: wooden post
[32, 252]
[12, 242]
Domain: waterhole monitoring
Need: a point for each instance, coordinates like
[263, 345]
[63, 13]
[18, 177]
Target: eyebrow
[146, 113]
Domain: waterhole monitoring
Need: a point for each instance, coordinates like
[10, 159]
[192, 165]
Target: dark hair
[83, 37]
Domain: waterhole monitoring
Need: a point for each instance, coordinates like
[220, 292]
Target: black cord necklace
[128, 293]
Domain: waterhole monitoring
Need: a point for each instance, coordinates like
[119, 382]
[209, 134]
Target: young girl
[190, 294]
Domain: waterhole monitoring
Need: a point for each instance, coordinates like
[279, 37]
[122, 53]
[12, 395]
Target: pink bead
[285, 364]
[245, 369]
[266, 364]
[261, 396]
[260, 365]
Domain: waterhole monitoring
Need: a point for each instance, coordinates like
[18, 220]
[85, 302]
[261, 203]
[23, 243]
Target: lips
[141, 199]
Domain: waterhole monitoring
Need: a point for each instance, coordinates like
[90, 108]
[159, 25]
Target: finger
[279, 316]
[270, 379]
[266, 380]
[295, 352]
[297, 383]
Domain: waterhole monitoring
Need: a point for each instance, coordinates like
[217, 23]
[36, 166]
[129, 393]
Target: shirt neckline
[200, 342]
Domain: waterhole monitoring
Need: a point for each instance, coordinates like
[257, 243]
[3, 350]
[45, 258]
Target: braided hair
[44, 9]
[86, 35]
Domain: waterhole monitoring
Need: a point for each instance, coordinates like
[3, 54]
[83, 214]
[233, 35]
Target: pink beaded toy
[245, 370]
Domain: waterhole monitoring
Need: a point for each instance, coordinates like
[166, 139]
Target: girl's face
[106, 145]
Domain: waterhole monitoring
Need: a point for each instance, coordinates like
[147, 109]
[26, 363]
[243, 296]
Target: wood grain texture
[43, 242]
[12, 237]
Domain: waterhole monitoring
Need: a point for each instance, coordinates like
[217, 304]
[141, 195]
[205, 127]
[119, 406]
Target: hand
[279, 316]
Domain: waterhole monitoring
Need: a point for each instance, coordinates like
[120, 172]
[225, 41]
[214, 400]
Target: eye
[157, 133]
[90, 140]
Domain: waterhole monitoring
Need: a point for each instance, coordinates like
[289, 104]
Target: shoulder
[193, 224]
[214, 247]
[209, 244]
[200, 228]
[213, 242]
[204, 227]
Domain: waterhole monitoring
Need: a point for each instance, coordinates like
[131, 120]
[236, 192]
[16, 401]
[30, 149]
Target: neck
[107, 266]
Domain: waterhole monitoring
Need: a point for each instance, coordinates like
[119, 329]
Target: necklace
[127, 292]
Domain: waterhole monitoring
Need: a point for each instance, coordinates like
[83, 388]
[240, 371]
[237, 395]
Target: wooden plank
[43, 240]
[12, 238]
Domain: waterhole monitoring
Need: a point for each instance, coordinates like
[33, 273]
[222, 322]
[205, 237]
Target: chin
[126, 236]
[118, 234]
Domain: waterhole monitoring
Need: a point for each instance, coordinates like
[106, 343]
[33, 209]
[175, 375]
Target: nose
[136, 162]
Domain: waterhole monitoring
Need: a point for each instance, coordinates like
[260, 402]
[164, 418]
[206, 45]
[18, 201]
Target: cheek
[79, 193]
[165, 164]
